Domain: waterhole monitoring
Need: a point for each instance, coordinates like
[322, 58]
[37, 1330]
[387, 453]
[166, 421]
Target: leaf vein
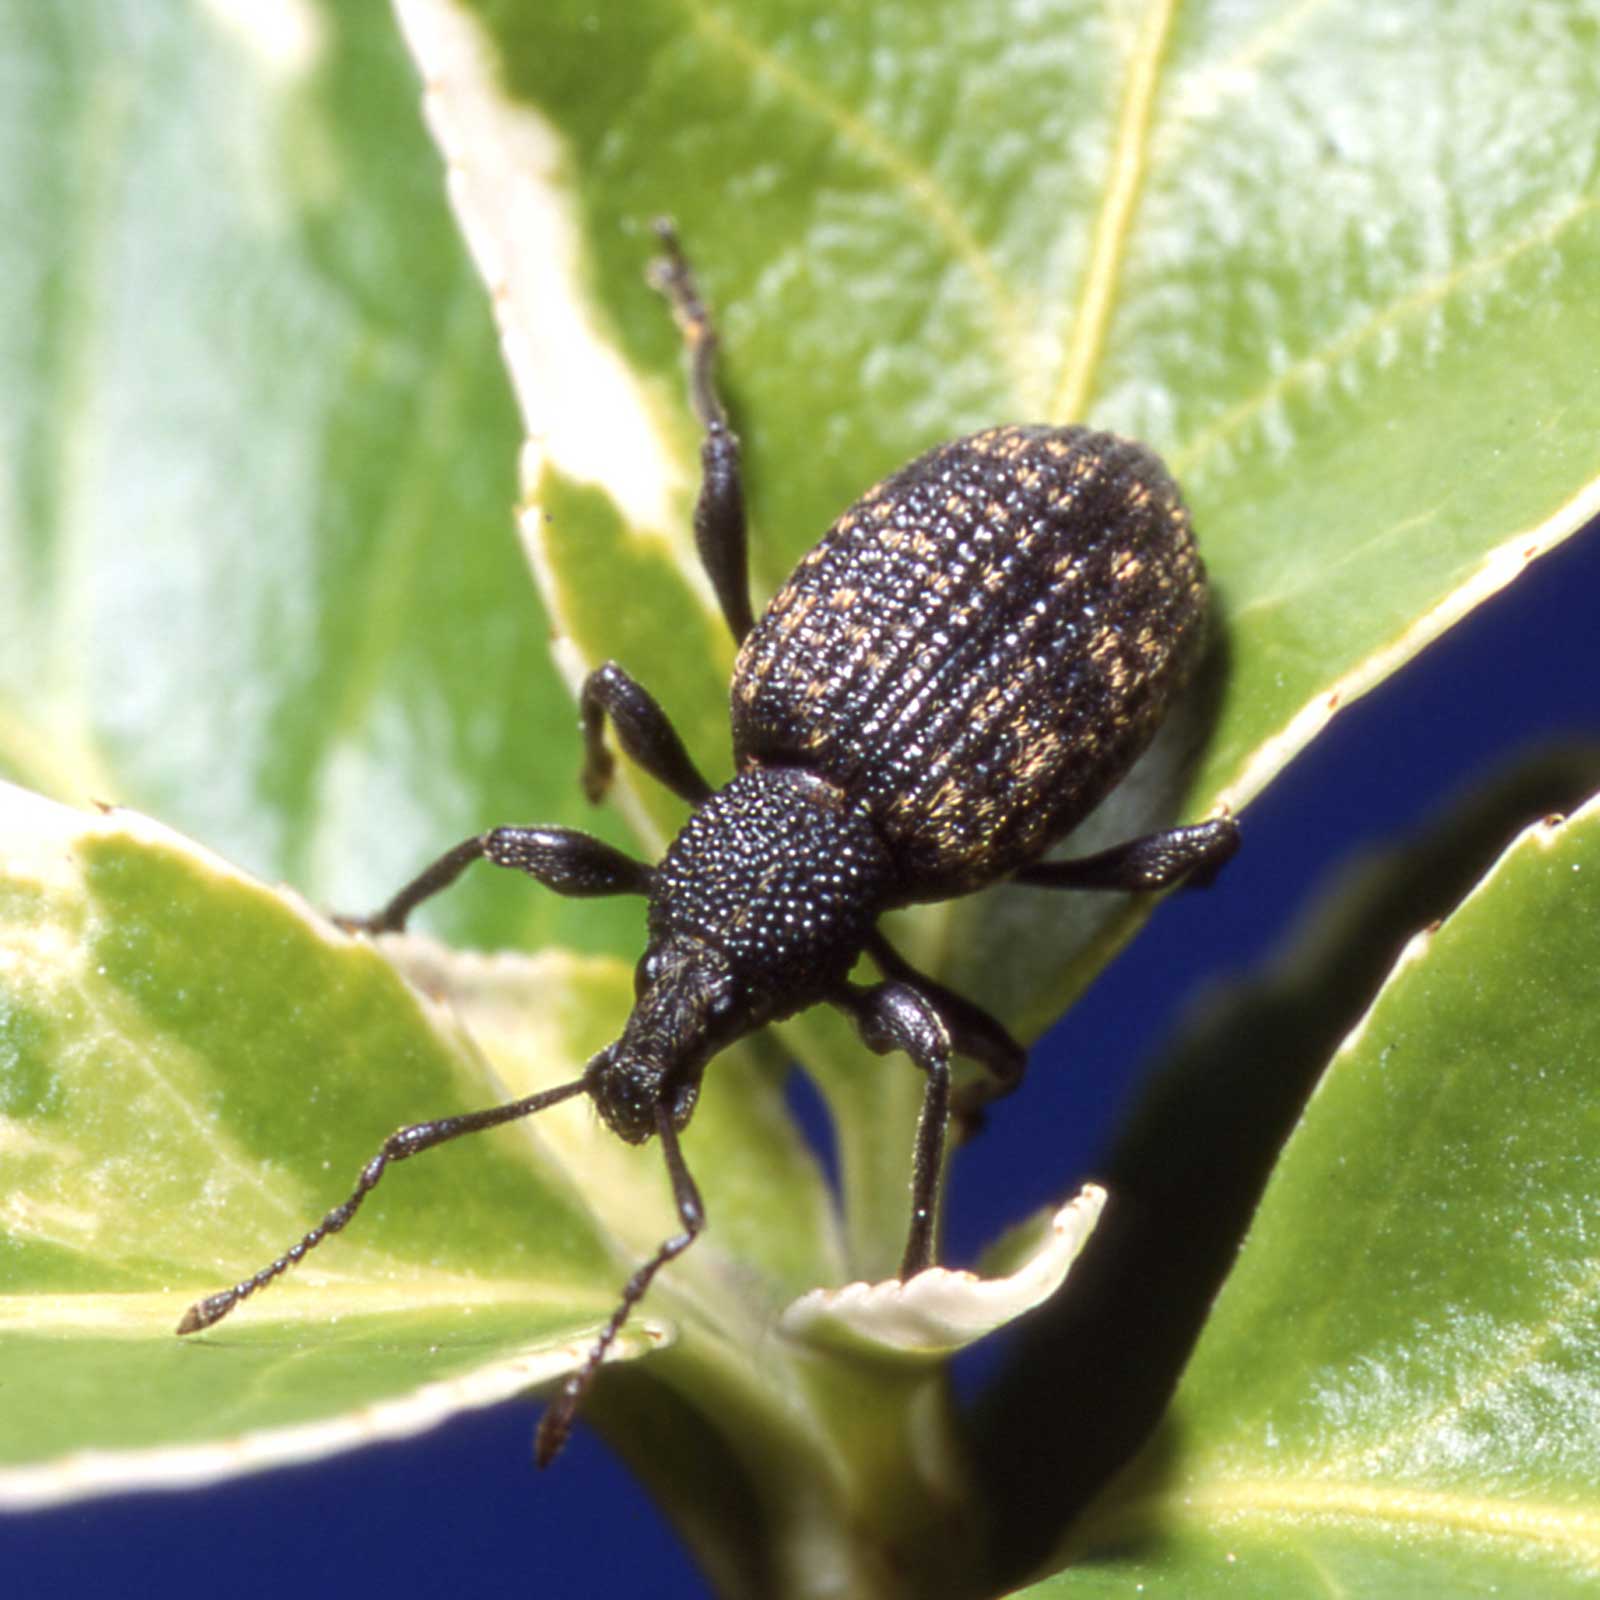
[1212, 85]
[1108, 251]
[1425, 297]
[921, 188]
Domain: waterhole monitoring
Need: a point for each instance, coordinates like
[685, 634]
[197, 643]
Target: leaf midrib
[1129, 160]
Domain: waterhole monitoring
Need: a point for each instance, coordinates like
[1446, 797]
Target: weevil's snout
[688, 1006]
[625, 1091]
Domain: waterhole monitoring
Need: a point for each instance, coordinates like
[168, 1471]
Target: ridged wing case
[980, 647]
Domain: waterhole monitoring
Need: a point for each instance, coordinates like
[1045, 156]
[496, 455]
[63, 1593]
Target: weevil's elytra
[978, 658]
[975, 653]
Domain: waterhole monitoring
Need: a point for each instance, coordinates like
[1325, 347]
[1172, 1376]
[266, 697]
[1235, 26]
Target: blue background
[463, 1506]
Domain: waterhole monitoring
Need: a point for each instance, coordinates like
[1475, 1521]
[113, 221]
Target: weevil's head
[688, 1005]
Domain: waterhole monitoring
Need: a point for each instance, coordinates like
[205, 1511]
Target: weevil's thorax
[782, 877]
[760, 908]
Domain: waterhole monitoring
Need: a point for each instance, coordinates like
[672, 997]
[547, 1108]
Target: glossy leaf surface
[1396, 1390]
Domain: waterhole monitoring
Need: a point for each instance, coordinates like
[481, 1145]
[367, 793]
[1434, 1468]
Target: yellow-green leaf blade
[192, 1071]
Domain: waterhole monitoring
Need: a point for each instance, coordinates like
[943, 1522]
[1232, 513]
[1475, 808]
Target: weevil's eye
[722, 1007]
[646, 972]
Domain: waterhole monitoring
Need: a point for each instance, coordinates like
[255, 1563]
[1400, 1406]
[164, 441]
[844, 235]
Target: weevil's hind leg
[894, 1016]
[562, 859]
[719, 519]
[555, 1427]
[974, 1033]
[1157, 861]
[643, 730]
[399, 1146]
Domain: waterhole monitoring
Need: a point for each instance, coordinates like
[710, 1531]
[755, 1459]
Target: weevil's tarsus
[571, 863]
[437, 875]
[895, 1016]
[671, 276]
[719, 514]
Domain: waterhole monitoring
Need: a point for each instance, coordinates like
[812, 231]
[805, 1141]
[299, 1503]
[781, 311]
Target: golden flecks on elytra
[982, 552]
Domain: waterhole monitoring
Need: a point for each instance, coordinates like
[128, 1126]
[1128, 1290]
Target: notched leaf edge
[940, 1311]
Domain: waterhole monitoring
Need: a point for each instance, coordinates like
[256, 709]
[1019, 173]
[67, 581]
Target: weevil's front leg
[974, 1033]
[719, 519]
[556, 1424]
[562, 859]
[893, 1016]
[1156, 861]
[643, 730]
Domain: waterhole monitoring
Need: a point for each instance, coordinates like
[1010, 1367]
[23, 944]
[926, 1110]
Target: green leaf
[1188, 1171]
[257, 577]
[186, 1082]
[256, 569]
[1396, 1390]
[194, 1068]
[1206, 231]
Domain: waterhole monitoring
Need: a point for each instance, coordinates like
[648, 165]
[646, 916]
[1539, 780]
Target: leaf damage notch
[941, 1311]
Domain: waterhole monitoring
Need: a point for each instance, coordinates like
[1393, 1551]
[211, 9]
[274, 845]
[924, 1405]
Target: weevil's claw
[555, 1426]
[597, 774]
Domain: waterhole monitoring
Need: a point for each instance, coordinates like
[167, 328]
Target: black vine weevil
[950, 681]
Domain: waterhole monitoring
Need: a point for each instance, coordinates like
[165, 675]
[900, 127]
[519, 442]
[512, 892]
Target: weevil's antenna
[397, 1147]
[555, 1427]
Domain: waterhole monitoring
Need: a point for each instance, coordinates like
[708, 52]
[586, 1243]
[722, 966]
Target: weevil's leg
[974, 1033]
[1154, 862]
[556, 1425]
[398, 1146]
[893, 1016]
[643, 731]
[562, 859]
[719, 520]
